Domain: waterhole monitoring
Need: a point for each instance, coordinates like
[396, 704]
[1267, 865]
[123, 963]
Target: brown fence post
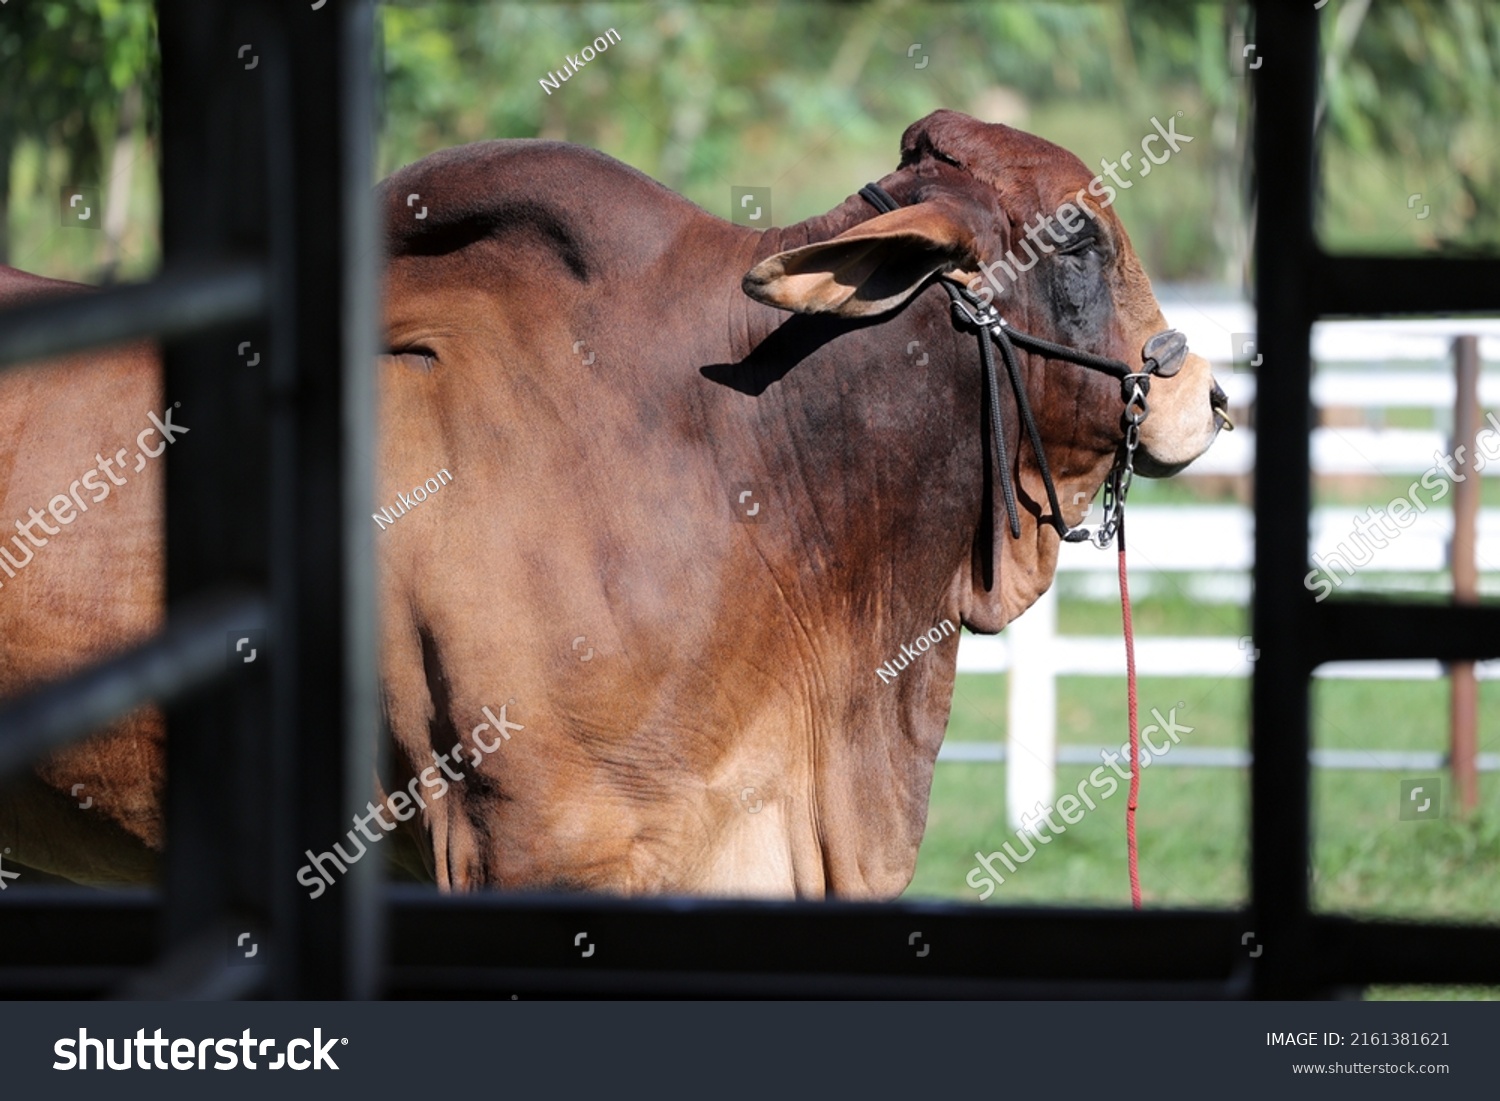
[1465, 692]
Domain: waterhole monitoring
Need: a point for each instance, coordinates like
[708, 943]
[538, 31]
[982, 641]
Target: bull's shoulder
[582, 206]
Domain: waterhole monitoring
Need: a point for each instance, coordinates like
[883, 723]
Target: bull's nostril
[1218, 401]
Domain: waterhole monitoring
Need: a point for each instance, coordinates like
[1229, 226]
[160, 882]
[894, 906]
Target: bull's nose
[1218, 401]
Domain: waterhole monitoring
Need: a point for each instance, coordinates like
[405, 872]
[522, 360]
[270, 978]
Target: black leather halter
[1161, 356]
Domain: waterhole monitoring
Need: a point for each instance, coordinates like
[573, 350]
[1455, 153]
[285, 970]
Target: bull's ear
[867, 270]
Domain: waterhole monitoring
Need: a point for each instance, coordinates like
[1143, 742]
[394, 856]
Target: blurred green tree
[696, 94]
[705, 96]
[79, 78]
[1419, 85]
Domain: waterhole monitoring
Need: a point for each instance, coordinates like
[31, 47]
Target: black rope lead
[997, 426]
[1023, 405]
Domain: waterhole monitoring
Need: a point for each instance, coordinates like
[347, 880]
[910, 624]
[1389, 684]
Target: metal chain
[1117, 485]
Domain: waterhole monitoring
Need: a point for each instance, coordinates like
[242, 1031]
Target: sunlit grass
[1193, 822]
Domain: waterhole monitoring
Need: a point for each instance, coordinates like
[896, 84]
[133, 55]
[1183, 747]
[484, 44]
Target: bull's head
[1025, 224]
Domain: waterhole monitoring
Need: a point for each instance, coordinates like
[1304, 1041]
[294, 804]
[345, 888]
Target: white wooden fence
[1211, 547]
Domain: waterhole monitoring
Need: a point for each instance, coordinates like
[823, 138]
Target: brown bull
[670, 528]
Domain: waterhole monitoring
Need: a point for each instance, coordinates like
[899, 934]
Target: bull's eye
[1079, 291]
[417, 357]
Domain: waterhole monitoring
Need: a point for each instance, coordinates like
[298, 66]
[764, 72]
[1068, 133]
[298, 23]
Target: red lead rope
[1135, 736]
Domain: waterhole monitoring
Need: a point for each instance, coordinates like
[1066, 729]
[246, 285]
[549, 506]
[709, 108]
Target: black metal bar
[1370, 285]
[214, 202]
[62, 980]
[1348, 630]
[1285, 89]
[1353, 951]
[73, 939]
[435, 939]
[327, 721]
[190, 652]
[446, 983]
[180, 300]
[66, 939]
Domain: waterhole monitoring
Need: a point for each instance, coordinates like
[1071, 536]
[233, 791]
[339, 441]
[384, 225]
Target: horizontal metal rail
[489, 944]
[189, 652]
[446, 983]
[1370, 285]
[1352, 951]
[181, 300]
[72, 941]
[1367, 630]
[436, 938]
[492, 944]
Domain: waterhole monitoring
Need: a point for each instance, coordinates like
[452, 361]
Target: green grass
[1167, 610]
[1381, 490]
[1369, 861]
[1190, 827]
[1193, 822]
[1185, 491]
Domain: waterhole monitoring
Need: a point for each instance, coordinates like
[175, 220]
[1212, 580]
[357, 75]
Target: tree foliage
[1420, 84]
[808, 96]
[69, 69]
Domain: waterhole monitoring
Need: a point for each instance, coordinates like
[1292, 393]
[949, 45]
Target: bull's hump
[17, 286]
[590, 209]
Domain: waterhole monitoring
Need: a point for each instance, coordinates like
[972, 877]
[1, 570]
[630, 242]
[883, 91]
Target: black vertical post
[214, 205]
[1286, 37]
[327, 718]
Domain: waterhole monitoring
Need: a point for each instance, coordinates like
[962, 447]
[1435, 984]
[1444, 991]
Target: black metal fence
[270, 237]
